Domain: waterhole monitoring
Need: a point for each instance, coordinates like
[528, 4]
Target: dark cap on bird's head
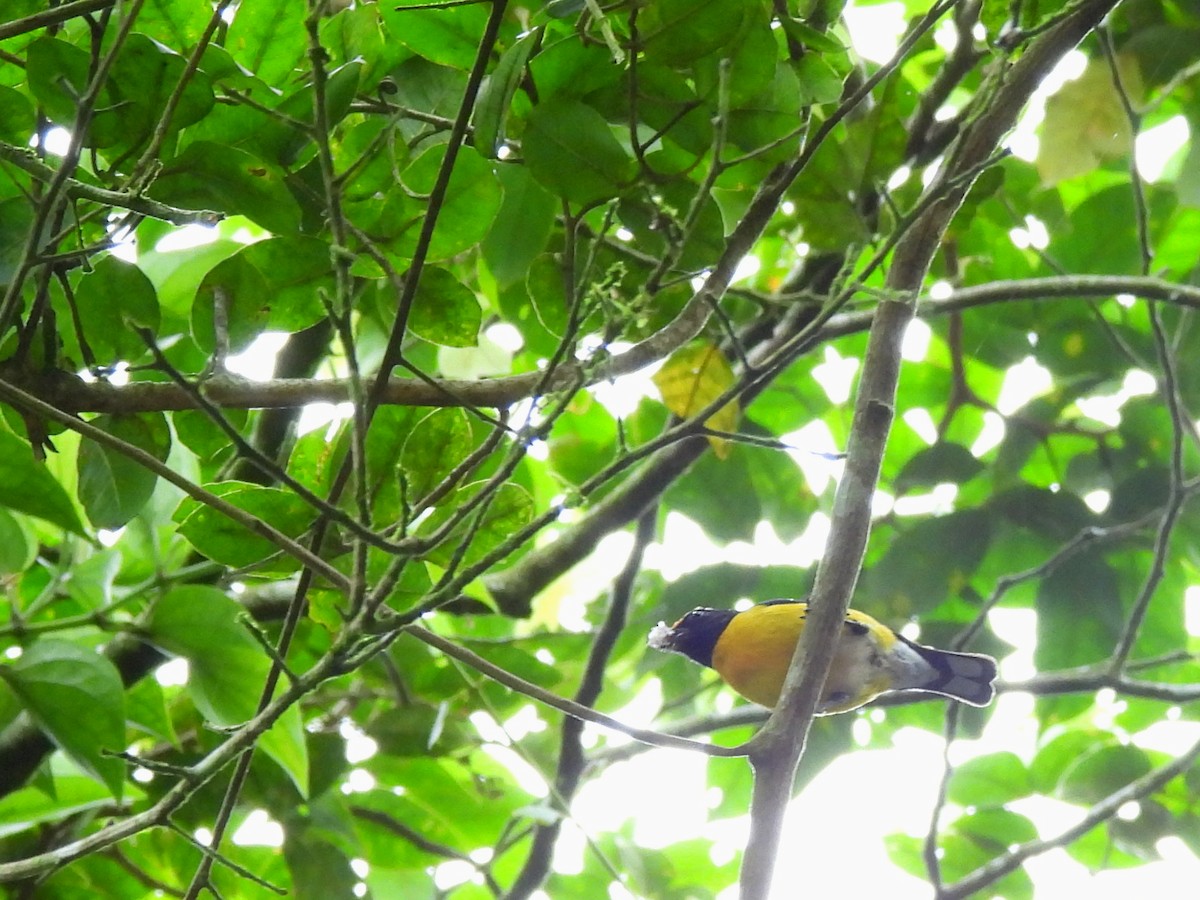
[695, 635]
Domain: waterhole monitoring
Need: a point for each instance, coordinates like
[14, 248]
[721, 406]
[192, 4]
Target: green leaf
[227, 668]
[225, 541]
[196, 431]
[73, 794]
[1055, 514]
[17, 117]
[269, 285]
[571, 151]
[1079, 612]
[214, 176]
[411, 731]
[676, 32]
[16, 220]
[448, 37]
[130, 103]
[747, 64]
[319, 867]
[27, 486]
[915, 578]
[114, 299]
[991, 780]
[1103, 771]
[1086, 122]
[58, 74]
[510, 509]
[996, 830]
[176, 274]
[112, 487]
[269, 41]
[1098, 849]
[584, 441]
[18, 549]
[490, 115]
[941, 463]
[473, 198]
[445, 311]
[819, 82]
[524, 665]
[146, 710]
[91, 581]
[434, 447]
[287, 139]
[239, 286]
[522, 227]
[719, 495]
[75, 696]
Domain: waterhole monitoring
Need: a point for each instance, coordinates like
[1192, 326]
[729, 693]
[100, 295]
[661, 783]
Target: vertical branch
[1168, 384]
[201, 878]
[1176, 495]
[50, 209]
[775, 752]
[571, 761]
[441, 185]
[933, 865]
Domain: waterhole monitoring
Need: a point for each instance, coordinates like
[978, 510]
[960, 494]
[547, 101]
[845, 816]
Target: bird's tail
[967, 677]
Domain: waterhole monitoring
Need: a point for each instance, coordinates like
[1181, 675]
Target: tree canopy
[532, 279]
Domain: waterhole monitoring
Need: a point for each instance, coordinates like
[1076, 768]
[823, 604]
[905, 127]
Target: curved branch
[195, 777]
[1099, 812]
[571, 760]
[570, 707]
[1089, 679]
[72, 394]
[251, 523]
[28, 162]
[775, 752]
[53, 16]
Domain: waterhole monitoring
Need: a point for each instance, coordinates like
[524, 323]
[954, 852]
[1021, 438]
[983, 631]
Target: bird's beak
[662, 637]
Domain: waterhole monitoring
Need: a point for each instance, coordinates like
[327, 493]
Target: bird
[751, 650]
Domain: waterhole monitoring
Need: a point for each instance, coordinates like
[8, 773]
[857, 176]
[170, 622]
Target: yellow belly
[753, 654]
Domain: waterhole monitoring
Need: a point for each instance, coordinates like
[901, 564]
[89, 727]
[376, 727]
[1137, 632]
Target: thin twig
[1100, 812]
[253, 524]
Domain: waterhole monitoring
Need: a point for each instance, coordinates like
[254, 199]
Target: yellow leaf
[1086, 124]
[692, 379]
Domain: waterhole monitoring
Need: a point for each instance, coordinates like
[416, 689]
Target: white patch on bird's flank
[908, 667]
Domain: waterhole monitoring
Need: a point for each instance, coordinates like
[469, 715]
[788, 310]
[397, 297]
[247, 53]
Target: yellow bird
[751, 651]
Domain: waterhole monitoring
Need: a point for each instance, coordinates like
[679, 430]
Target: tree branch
[775, 752]
[1105, 809]
[571, 761]
[53, 16]
[571, 708]
[27, 161]
[251, 523]
[71, 394]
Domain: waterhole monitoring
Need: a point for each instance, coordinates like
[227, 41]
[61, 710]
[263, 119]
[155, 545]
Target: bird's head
[694, 635]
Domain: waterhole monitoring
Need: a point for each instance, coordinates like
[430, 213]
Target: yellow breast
[754, 651]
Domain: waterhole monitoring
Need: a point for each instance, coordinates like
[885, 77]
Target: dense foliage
[475, 224]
